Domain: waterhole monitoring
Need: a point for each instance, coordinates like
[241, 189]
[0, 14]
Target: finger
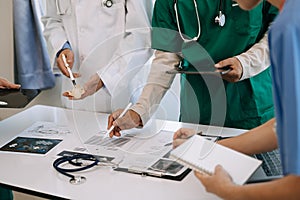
[112, 117]
[69, 57]
[67, 94]
[120, 123]
[110, 121]
[76, 75]
[62, 67]
[14, 86]
[184, 133]
[219, 169]
[115, 132]
[178, 142]
[118, 134]
[177, 134]
[201, 176]
[223, 63]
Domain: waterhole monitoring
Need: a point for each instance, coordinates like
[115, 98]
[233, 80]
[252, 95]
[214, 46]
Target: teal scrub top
[247, 103]
[6, 194]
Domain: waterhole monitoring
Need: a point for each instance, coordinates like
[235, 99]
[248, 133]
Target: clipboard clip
[221, 71]
[145, 173]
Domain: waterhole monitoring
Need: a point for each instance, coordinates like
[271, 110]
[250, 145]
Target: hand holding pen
[68, 68]
[121, 120]
[181, 135]
[69, 61]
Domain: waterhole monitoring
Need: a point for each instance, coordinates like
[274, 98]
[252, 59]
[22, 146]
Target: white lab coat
[112, 42]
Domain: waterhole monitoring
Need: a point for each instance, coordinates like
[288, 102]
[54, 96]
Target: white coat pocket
[63, 7]
[113, 16]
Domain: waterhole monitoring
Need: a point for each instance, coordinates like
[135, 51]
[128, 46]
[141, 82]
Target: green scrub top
[5, 194]
[247, 103]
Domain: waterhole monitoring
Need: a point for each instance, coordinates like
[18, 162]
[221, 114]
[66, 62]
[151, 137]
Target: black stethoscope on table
[219, 19]
[79, 162]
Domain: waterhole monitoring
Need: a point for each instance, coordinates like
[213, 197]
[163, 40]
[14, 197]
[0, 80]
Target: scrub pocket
[247, 22]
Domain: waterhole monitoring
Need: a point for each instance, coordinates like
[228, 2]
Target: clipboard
[222, 71]
[174, 171]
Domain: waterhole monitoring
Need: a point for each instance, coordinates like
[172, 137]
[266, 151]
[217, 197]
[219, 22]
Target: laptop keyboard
[271, 163]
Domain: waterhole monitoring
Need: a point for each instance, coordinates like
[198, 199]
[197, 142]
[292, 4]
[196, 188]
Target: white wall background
[6, 40]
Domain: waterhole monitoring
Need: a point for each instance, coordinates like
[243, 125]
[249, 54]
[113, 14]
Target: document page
[39, 138]
[134, 150]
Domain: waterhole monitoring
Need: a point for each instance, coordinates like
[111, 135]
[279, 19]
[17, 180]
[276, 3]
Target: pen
[68, 68]
[121, 115]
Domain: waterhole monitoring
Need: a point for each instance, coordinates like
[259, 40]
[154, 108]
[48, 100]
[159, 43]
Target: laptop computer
[270, 169]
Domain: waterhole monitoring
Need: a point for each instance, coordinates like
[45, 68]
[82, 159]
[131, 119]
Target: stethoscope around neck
[219, 19]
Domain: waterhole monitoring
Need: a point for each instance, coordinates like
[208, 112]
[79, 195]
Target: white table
[35, 173]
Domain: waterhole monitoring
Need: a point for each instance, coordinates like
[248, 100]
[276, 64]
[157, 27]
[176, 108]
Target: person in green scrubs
[243, 97]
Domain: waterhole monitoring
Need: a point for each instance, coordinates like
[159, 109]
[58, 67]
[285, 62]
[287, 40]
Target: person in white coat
[106, 43]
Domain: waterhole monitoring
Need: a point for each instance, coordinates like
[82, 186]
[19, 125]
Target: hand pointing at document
[130, 120]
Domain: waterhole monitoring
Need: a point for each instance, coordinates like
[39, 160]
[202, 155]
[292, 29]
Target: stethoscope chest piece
[220, 19]
[108, 3]
[77, 180]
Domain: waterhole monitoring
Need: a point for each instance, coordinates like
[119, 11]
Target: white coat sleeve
[53, 32]
[157, 84]
[134, 49]
[256, 59]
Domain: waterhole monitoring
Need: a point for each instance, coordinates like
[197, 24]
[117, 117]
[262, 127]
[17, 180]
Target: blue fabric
[65, 46]
[32, 62]
[284, 40]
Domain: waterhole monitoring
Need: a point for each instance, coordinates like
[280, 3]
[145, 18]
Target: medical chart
[140, 152]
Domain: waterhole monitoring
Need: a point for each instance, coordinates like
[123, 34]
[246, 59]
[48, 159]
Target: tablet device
[16, 98]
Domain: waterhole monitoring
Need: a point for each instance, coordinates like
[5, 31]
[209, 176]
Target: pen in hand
[68, 68]
[121, 115]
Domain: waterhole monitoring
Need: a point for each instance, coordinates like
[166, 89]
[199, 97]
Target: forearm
[257, 140]
[256, 59]
[284, 188]
[157, 84]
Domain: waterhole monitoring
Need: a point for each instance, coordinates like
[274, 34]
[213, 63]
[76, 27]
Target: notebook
[203, 155]
[270, 169]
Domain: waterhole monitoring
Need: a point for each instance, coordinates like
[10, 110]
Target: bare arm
[221, 184]
[262, 136]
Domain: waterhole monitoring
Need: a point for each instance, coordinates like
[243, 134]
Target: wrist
[231, 192]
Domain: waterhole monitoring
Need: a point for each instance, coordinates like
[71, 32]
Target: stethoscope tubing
[69, 159]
